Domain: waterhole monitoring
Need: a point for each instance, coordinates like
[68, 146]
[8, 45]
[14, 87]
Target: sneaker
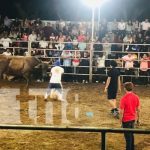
[116, 114]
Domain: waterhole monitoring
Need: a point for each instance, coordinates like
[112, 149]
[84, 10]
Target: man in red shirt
[129, 113]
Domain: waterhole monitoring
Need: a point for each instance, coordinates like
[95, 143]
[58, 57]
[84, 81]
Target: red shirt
[129, 104]
[149, 62]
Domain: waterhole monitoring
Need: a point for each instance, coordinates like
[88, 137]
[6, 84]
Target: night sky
[74, 9]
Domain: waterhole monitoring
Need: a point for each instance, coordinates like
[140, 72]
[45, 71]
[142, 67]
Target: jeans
[129, 137]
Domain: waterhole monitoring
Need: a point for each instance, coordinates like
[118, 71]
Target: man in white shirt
[5, 42]
[145, 25]
[43, 43]
[121, 28]
[7, 53]
[32, 37]
[55, 85]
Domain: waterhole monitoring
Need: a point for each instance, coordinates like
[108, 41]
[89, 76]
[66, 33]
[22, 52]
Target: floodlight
[92, 3]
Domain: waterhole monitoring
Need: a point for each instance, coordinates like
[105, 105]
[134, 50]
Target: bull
[19, 66]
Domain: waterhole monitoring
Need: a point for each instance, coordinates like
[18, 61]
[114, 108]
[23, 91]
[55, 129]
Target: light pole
[93, 4]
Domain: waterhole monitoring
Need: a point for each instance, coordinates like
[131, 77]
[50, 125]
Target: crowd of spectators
[70, 42]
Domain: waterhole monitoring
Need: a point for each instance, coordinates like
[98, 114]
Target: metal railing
[90, 58]
[103, 131]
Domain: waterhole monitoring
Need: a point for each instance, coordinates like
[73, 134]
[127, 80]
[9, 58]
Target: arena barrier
[30, 49]
[103, 131]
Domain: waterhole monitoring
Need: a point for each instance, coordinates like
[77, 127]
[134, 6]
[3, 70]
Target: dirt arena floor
[87, 107]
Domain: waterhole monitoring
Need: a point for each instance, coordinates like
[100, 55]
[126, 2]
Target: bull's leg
[26, 76]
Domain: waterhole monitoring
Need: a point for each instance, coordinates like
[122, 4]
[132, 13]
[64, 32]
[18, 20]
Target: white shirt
[121, 25]
[7, 53]
[56, 72]
[32, 37]
[43, 44]
[5, 42]
[145, 25]
[101, 62]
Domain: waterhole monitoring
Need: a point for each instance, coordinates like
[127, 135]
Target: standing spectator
[7, 23]
[66, 56]
[129, 108]
[84, 67]
[98, 47]
[129, 27]
[145, 25]
[5, 41]
[106, 48]
[32, 38]
[136, 26]
[129, 62]
[112, 86]
[122, 27]
[144, 69]
[114, 26]
[100, 64]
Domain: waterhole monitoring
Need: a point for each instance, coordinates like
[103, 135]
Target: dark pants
[128, 77]
[129, 137]
[144, 80]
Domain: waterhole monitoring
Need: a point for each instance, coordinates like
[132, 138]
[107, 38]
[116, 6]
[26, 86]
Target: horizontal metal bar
[74, 129]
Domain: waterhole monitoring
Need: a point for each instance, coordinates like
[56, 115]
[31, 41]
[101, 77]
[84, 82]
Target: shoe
[115, 113]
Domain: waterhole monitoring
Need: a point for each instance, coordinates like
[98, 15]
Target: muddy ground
[87, 107]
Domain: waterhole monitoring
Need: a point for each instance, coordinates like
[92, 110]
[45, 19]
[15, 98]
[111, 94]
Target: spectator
[122, 27]
[5, 41]
[84, 67]
[106, 48]
[129, 62]
[129, 27]
[66, 56]
[144, 69]
[145, 25]
[7, 52]
[32, 37]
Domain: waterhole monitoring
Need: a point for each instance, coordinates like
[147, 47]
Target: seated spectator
[128, 39]
[7, 52]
